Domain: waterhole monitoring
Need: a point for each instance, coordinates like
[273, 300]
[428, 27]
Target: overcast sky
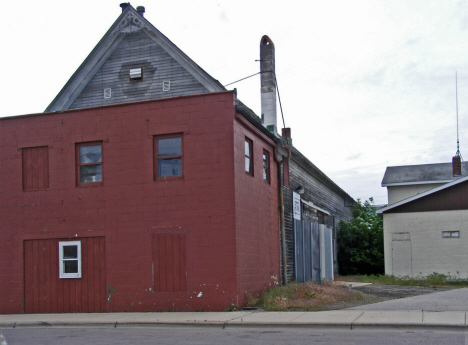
[364, 84]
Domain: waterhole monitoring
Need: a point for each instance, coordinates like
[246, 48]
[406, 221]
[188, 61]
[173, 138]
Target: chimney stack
[286, 134]
[456, 166]
[124, 5]
[268, 83]
[140, 10]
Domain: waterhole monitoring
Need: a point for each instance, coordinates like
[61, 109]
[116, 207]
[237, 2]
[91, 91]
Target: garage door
[64, 276]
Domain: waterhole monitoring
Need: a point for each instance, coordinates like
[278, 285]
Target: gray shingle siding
[321, 195]
[137, 50]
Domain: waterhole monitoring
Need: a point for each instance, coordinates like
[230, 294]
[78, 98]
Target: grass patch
[309, 296]
[434, 279]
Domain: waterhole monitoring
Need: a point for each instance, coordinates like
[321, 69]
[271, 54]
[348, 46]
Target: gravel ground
[378, 293]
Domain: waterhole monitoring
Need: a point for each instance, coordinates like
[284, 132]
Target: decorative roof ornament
[130, 23]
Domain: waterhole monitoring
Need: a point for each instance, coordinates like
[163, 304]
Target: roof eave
[422, 195]
[413, 183]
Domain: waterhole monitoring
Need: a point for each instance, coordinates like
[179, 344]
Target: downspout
[281, 212]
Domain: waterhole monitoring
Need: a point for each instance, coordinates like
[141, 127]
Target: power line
[277, 89]
[253, 75]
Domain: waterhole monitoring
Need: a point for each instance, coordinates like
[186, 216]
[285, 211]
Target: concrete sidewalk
[440, 310]
[338, 319]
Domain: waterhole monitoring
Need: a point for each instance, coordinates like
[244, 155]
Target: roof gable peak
[130, 22]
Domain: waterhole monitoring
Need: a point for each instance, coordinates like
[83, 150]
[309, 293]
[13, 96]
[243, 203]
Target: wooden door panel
[45, 292]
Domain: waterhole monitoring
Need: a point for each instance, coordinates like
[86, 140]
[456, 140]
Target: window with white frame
[70, 259]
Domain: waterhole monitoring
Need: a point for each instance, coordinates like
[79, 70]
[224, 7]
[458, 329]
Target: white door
[401, 258]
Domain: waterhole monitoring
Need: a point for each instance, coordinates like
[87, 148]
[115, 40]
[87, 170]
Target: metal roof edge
[422, 195]
[412, 183]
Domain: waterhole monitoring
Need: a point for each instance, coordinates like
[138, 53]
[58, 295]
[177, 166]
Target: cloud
[353, 157]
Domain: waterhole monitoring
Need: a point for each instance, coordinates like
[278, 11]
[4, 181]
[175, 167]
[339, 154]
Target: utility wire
[244, 78]
[277, 89]
[279, 99]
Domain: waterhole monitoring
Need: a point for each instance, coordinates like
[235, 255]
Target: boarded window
[169, 263]
[35, 168]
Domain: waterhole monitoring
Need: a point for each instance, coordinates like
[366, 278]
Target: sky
[363, 84]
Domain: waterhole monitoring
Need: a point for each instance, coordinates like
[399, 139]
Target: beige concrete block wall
[429, 251]
[398, 193]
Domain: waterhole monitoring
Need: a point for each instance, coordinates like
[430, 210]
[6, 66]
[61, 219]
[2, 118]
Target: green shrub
[360, 241]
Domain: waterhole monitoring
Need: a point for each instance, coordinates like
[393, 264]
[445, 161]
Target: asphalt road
[228, 336]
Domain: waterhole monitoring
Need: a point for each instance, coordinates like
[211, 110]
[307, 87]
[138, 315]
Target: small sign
[296, 206]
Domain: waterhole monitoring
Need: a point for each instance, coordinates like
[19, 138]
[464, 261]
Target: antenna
[456, 97]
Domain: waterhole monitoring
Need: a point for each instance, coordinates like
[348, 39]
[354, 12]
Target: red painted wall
[207, 206]
[257, 236]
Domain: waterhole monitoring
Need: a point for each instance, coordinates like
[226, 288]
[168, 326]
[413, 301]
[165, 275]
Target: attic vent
[107, 93]
[166, 85]
[136, 73]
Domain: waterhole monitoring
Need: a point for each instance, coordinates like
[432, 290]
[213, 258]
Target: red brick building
[147, 186]
[199, 239]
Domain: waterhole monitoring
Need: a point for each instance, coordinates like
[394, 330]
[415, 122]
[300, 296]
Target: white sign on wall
[296, 206]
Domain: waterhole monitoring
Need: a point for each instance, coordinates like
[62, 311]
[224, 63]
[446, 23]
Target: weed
[311, 296]
[232, 307]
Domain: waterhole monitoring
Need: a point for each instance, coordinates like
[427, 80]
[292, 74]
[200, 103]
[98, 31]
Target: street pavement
[451, 300]
[445, 310]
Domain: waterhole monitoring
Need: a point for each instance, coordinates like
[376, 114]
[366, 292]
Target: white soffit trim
[421, 195]
[411, 183]
[311, 204]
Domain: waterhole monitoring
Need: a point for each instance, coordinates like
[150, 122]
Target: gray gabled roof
[129, 21]
[421, 174]
[422, 195]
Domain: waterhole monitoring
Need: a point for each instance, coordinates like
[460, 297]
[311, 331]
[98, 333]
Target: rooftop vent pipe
[124, 5]
[140, 10]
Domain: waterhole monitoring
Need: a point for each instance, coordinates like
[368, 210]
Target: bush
[360, 241]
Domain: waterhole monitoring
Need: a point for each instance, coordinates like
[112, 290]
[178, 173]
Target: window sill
[169, 178]
[90, 184]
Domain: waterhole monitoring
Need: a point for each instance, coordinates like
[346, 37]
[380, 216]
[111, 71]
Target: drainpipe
[281, 212]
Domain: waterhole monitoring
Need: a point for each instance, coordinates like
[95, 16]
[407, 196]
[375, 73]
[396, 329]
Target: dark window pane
[70, 252]
[247, 164]
[91, 173]
[169, 147]
[247, 148]
[90, 154]
[71, 266]
[170, 167]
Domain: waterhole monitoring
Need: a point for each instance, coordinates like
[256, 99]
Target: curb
[224, 325]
